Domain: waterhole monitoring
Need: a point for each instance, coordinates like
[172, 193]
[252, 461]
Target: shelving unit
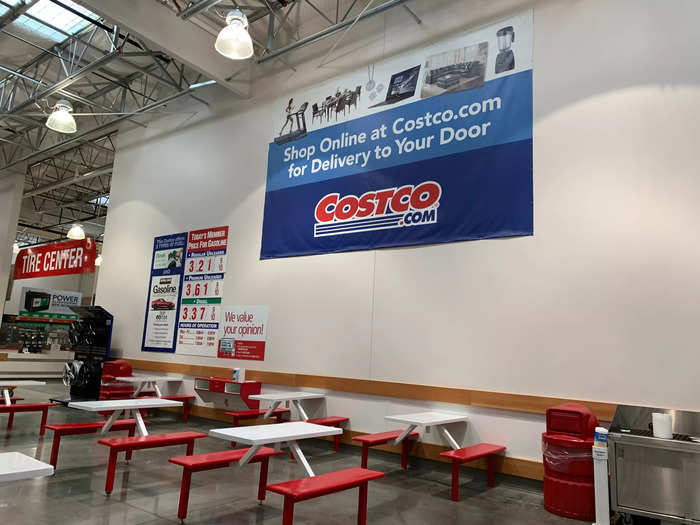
[218, 385]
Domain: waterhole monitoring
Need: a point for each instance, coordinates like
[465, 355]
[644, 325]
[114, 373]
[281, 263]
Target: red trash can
[568, 461]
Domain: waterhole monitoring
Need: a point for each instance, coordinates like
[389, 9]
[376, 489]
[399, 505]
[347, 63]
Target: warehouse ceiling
[57, 50]
[121, 64]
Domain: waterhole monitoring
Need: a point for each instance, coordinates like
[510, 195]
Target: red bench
[215, 460]
[331, 421]
[467, 454]
[372, 440]
[27, 407]
[239, 415]
[185, 405]
[308, 488]
[71, 429]
[129, 444]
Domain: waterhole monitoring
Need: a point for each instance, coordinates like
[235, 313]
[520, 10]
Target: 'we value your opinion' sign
[62, 258]
[244, 332]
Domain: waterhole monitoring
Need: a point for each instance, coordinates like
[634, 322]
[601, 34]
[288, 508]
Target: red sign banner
[61, 258]
[208, 240]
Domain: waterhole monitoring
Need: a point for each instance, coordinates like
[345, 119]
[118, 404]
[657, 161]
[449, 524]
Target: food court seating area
[156, 478]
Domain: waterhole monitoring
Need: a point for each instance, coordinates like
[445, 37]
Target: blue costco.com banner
[454, 165]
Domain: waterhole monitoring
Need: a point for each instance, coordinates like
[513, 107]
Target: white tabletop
[20, 382]
[426, 419]
[124, 404]
[14, 466]
[277, 433]
[145, 379]
[287, 396]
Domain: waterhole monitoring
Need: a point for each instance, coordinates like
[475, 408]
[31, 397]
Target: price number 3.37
[198, 313]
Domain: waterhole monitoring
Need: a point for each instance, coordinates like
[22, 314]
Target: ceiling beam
[162, 29]
[15, 12]
[104, 170]
[330, 31]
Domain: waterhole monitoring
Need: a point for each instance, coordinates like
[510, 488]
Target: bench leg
[184, 494]
[111, 468]
[190, 448]
[185, 411]
[336, 442]
[54, 448]
[362, 505]
[405, 448]
[288, 512]
[44, 416]
[263, 479]
[455, 481]
[10, 420]
[491, 467]
[365, 451]
[132, 431]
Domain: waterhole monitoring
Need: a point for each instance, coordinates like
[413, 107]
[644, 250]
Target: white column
[11, 187]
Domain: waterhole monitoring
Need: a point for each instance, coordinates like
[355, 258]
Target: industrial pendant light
[76, 233]
[61, 119]
[15, 248]
[234, 41]
[98, 261]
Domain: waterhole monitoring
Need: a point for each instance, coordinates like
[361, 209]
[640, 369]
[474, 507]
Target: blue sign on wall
[444, 168]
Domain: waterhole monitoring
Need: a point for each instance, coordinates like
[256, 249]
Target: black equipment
[91, 339]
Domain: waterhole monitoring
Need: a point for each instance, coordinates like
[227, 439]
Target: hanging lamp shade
[234, 41]
[60, 119]
[76, 233]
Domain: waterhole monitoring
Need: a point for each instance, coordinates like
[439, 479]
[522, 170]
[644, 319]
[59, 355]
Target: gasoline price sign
[203, 289]
[199, 313]
[206, 264]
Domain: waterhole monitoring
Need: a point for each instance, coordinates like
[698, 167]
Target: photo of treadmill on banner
[446, 72]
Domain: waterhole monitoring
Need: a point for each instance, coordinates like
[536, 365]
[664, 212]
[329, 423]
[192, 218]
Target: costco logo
[397, 207]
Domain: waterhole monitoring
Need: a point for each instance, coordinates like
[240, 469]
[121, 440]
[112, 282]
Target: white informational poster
[244, 332]
[162, 311]
[202, 292]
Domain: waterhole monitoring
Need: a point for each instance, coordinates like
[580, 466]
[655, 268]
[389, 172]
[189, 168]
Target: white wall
[602, 303]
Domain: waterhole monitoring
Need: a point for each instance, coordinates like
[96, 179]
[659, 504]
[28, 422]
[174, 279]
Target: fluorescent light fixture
[15, 248]
[98, 261]
[76, 233]
[61, 119]
[234, 41]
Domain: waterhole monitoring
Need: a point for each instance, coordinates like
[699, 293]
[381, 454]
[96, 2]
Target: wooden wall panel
[479, 398]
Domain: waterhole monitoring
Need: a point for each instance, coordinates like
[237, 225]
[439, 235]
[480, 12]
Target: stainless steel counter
[658, 478]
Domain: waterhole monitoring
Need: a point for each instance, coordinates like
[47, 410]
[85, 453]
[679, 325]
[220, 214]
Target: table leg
[249, 455]
[403, 435]
[140, 425]
[300, 409]
[272, 408]
[6, 396]
[110, 421]
[301, 459]
[138, 389]
[448, 437]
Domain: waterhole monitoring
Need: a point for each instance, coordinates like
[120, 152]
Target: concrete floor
[147, 490]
